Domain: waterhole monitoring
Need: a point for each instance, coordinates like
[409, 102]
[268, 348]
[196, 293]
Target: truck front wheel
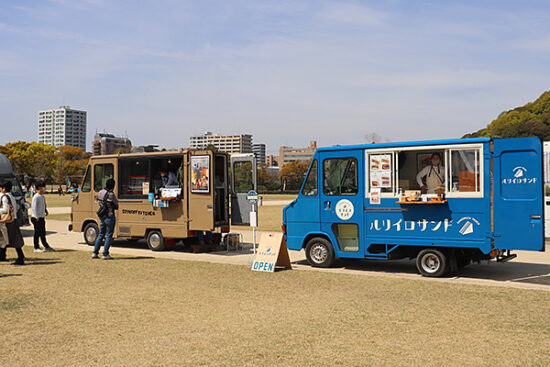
[319, 252]
[91, 231]
[431, 263]
[155, 240]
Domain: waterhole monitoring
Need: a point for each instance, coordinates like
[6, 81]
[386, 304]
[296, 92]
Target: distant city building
[62, 126]
[146, 149]
[237, 143]
[290, 154]
[104, 144]
[259, 153]
[271, 160]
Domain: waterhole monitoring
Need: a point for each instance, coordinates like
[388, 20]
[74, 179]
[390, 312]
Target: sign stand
[252, 197]
[272, 253]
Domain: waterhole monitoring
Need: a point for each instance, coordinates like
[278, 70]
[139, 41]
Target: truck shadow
[521, 272]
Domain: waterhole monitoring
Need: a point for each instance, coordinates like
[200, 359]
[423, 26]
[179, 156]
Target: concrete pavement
[531, 270]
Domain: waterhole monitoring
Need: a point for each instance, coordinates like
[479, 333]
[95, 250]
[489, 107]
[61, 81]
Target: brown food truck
[163, 196]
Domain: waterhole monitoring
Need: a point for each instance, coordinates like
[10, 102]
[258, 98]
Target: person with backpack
[108, 203]
[9, 229]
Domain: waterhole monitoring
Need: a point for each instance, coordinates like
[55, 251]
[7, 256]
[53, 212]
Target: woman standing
[15, 238]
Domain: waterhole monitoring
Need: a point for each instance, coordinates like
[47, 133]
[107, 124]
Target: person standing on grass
[38, 218]
[107, 199]
[10, 229]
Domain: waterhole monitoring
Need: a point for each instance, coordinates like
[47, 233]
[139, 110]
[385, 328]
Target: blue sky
[285, 71]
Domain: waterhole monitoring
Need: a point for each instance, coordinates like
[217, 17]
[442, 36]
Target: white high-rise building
[237, 143]
[259, 152]
[62, 126]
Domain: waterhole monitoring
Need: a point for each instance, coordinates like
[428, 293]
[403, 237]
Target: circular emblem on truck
[344, 209]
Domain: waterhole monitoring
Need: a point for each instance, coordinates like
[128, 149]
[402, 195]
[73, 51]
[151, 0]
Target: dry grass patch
[270, 218]
[67, 309]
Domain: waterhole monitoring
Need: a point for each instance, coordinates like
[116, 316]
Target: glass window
[347, 235]
[102, 172]
[465, 171]
[310, 186]
[133, 173]
[87, 183]
[340, 176]
[242, 177]
[426, 166]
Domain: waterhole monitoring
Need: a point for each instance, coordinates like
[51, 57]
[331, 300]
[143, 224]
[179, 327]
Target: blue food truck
[444, 202]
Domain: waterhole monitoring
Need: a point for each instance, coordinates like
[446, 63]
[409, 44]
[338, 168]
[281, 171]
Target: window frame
[94, 179]
[356, 176]
[311, 169]
[88, 173]
[447, 148]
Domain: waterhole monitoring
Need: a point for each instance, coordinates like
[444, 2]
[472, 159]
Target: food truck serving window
[133, 174]
[310, 186]
[340, 176]
[456, 169]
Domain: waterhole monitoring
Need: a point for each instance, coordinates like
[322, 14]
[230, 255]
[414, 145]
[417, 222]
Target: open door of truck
[518, 194]
[200, 190]
[243, 179]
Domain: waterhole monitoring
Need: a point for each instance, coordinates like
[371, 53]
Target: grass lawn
[65, 309]
[270, 218]
[56, 201]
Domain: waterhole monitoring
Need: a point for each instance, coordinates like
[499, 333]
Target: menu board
[380, 170]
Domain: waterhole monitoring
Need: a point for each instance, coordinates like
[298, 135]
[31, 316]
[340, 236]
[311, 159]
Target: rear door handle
[536, 217]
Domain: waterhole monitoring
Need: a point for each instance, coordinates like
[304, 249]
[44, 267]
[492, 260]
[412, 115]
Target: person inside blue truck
[432, 176]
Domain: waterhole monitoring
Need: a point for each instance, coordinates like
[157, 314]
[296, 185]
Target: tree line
[34, 162]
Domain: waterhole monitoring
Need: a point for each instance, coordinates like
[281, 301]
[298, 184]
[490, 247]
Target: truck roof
[5, 166]
[150, 154]
[406, 144]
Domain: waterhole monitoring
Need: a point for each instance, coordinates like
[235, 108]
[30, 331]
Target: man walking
[38, 218]
[108, 203]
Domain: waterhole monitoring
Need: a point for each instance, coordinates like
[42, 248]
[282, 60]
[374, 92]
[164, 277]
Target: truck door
[546, 172]
[200, 190]
[341, 201]
[518, 194]
[243, 179]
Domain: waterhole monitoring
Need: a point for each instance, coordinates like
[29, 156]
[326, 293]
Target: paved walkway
[530, 270]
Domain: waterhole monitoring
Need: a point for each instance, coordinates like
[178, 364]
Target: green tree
[533, 119]
[266, 181]
[37, 160]
[292, 174]
[72, 162]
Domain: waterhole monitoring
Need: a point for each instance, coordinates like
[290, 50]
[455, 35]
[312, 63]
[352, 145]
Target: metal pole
[254, 227]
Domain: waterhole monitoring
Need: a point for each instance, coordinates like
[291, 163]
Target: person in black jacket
[107, 199]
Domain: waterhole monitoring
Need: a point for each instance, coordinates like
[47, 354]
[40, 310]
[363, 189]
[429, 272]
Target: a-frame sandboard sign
[272, 253]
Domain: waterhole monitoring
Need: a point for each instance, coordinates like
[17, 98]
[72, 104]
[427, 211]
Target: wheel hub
[319, 253]
[430, 263]
[91, 234]
[154, 240]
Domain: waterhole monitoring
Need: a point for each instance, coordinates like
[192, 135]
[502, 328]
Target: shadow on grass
[502, 272]
[10, 275]
[29, 232]
[133, 257]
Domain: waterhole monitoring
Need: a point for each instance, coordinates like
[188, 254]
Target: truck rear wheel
[155, 240]
[431, 263]
[319, 252]
[91, 231]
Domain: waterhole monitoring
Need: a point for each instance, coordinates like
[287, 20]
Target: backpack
[7, 217]
[103, 210]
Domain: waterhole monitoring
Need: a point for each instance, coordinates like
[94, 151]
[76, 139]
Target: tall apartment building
[237, 143]
[104, 144]
[290, 154]
[259, 153]
[62, 126]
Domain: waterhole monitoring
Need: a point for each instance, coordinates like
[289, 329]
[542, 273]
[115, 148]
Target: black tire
[91, 231]
[432, 263]
[155, 240]
[319, 253]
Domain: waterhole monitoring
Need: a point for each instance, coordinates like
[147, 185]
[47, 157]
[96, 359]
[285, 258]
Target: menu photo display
[380, 170]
